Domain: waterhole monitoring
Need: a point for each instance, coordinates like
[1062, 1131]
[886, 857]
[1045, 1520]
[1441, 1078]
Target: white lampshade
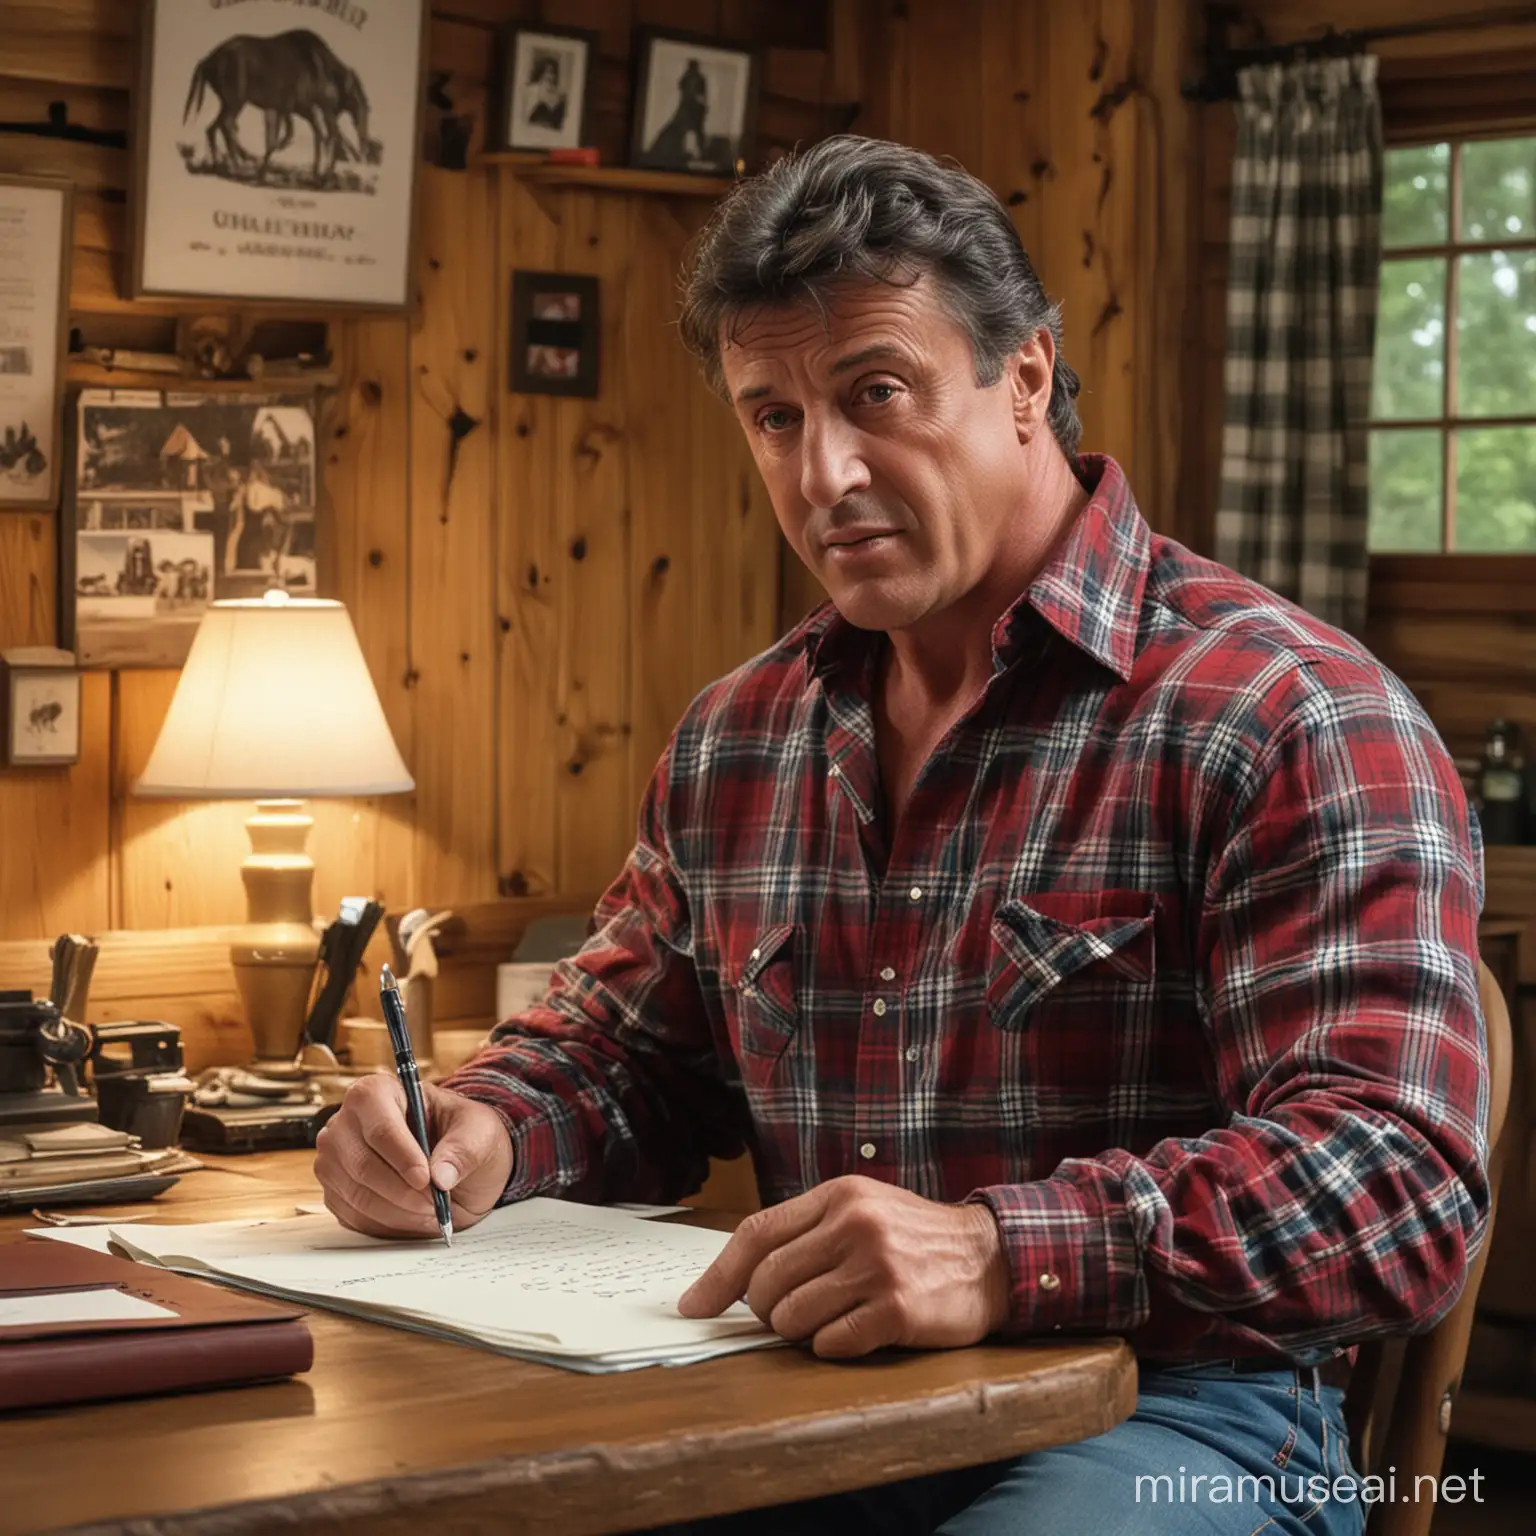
[275, 701]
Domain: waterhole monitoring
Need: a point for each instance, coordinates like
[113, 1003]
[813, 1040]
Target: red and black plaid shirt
[1171, 961]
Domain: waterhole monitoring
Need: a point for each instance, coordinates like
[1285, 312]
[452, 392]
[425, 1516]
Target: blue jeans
[1269, 1439]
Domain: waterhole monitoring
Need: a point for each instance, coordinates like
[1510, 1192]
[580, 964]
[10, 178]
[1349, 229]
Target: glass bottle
[1501, 788]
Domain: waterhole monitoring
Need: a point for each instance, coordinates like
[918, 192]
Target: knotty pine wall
[538, 608]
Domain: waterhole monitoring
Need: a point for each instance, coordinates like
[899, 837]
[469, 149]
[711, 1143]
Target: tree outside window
[1453, 392]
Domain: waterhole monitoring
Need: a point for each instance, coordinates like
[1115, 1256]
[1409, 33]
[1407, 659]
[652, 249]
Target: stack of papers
[584, 1287]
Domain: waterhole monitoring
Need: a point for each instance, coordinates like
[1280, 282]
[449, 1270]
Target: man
[1080, 937]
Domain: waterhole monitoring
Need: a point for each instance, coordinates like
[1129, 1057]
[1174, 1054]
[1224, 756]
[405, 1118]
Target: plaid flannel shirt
[1171, 961]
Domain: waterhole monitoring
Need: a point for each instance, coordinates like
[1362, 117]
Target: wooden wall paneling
[178, 861]
[944, 43]
[1089, 216]
[1165, 342]
[666, 557]
[28, 559]
[54, 874]
[91, 167]
[367, 847]
[452, 546]
[76, 42]
[595, 805]
[1012, 110]
[532, 571]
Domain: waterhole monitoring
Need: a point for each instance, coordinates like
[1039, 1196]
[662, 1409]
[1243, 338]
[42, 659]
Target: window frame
[1448, 563]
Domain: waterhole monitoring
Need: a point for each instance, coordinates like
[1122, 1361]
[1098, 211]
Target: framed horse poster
[275, 151]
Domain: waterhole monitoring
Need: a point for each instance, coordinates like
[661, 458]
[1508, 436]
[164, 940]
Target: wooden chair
[1407, 1411]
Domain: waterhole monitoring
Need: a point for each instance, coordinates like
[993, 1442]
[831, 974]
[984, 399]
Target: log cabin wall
[1070, 111]
[538, 601]
[540, 598]
[1459, 631]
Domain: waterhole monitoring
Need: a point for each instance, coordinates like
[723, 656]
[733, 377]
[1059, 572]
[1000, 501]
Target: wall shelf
[605, 178]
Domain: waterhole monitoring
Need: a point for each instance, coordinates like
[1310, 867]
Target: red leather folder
[215, 1337]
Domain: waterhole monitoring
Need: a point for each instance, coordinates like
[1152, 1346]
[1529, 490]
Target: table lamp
[275, 704]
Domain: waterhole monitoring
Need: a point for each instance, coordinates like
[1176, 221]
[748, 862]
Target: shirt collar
[1089, 591]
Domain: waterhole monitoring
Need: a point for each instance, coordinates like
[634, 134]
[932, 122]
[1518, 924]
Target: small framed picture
[275, 151]
[40, 701]
[555, 331]
[695, 104]
[174, 500]
[37, 237]
[546, 87]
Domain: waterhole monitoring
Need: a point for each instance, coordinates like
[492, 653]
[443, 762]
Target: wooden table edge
[655, 1481]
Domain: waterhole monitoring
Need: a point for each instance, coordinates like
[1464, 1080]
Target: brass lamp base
[275, 955]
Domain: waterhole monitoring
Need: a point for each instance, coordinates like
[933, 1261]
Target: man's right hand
[376, 1178]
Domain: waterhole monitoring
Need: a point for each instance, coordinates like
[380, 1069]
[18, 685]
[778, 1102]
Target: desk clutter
[79, 1326]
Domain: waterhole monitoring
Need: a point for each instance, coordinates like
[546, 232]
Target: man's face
[895, 478]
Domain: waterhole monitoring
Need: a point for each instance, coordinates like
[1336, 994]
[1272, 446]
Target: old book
[77, 1325]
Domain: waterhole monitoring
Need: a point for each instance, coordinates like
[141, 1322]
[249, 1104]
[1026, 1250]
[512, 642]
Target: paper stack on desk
[572, 1285]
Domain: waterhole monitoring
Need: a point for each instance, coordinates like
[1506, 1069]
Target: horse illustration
[45, 717]
[292, 75]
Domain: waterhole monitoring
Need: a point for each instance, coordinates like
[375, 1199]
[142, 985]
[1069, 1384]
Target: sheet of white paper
[97, 1306]
[543, 1275]
[99, 1239]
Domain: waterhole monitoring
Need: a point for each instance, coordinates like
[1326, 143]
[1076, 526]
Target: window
[1453, 391]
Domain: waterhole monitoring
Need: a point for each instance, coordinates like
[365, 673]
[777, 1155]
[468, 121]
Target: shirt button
[834, 772]
[915, 894]
[1049, 1282]
[867, 1151]
[887, 974]
[913, 1052]
[879, 1007]
[757, 954]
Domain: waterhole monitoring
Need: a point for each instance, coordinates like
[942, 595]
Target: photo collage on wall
[179, 499]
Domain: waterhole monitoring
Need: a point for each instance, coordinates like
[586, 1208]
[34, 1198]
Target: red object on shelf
[586, 155]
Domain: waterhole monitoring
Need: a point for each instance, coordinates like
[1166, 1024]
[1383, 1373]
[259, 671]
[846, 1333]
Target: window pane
[1409, 375]
[1498, 190]
[1406, 485]
[1496, 335]
[1496, 489]
[1415, 195]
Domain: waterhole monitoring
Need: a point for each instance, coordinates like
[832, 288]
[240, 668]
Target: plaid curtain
[1301, 320]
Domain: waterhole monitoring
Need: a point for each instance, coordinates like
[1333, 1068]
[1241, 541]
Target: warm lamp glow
[275, 700]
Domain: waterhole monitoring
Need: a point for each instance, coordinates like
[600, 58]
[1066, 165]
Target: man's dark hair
[851, 208]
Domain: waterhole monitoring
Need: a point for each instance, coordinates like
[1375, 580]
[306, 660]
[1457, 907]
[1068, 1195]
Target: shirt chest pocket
[763, 994]
[1083, 961]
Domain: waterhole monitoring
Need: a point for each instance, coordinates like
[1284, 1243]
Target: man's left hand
[854, 1265]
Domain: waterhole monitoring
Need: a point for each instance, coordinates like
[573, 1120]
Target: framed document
[37, 236]
[276, 151]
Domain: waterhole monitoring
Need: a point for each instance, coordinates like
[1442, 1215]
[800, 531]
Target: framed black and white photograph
[176, 500]
[546, 87]
[276, 151]
[37, 235]
[555, 333]
[695, 104]
[39, 707]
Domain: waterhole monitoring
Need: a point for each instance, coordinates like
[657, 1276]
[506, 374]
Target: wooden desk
[391, 1432]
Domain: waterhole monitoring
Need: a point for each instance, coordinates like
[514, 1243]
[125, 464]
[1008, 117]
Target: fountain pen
[410, 1081]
